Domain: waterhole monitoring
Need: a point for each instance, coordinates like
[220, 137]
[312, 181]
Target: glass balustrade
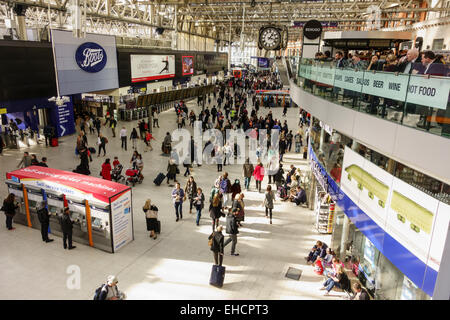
[412, 99]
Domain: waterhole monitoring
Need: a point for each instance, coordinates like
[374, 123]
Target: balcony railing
[414, 100]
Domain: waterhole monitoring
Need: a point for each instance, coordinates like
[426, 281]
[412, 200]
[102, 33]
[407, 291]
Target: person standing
[199, 201]
[67, 226]
[171, 171]
[178, 197]
[217, 245]
[258, 173]
[151, 218]
[134, 137]
[9, 208]
[106, 170]
[123, 137]
[248, 172]
[289, 138]
[268, 202]
[155, 119]
[215, 209]
[232, 230]
[102, 141]
[26, 160]
[191, 191]
[225, 188]
[113, 124]
[44, 219]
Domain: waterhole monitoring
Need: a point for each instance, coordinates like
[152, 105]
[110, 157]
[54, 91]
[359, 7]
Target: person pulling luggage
[217, 244]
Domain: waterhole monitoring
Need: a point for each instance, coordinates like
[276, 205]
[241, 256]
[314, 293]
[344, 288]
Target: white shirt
[123, 133]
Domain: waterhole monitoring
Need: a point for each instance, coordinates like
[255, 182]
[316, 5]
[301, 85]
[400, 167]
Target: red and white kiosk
[102, 209]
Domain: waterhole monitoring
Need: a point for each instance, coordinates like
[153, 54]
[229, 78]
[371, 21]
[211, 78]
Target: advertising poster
[263, 63]
[152, 67]
[411, 216]
[122, 220]
[187, 63]
[439, 236]
[367, 185]
[85, 64]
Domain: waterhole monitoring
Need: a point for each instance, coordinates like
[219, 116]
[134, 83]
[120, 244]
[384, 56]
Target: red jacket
[318, 267]
[106, 171]
[258, 173]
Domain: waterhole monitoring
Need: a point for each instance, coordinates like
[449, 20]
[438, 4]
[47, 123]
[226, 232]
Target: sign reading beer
[91, 57]
[312, 29]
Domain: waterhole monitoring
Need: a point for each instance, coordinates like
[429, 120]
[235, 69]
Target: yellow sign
[3, 111]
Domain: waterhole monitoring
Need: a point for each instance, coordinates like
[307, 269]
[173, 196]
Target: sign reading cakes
[85, 64]
[91, 57]
[312, 29]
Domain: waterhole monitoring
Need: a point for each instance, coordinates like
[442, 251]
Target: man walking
[232, 230]
[123, 137]
[178, 197]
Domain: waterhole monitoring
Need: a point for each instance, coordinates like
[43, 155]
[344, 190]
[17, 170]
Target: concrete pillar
[19, 15]
[344, 238]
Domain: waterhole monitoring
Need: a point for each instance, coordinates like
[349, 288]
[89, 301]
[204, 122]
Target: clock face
[270, 38]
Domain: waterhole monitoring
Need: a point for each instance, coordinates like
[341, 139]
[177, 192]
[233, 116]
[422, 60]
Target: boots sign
[91, 57]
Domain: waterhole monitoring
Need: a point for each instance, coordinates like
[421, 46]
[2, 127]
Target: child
[116, 162]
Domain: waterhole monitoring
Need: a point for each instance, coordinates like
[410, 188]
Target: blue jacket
[223, 185]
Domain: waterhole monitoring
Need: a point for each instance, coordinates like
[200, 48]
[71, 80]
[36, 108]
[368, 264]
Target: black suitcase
[158, 226]
[217, 276]
[159, 179]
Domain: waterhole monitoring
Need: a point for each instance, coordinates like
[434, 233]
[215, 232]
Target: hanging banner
[152, 67]
[432, 92]
[349, 79]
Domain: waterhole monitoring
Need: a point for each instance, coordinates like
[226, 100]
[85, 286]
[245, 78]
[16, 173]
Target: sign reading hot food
[91, 57]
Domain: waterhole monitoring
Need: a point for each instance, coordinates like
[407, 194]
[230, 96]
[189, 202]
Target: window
[438, 44]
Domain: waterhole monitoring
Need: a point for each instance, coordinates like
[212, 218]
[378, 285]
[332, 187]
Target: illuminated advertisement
[187, 63]
[151, 67]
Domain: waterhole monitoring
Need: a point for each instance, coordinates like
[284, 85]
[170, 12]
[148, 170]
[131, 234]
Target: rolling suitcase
[158, 226]
[54, 142]
[159, 179]
[217, 276]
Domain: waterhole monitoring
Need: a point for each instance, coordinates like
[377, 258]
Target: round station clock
[270, 38]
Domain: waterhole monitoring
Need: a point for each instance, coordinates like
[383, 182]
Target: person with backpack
[225, 188]
[216, 241]
[109, 290]
[44, 219]
[9, 208]
[102, 141]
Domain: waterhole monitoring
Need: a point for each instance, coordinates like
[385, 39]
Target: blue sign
[263, 63]
[91, 57]
[63, 119]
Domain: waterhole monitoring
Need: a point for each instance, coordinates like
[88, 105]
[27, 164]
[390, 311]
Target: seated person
[328, 259]
[360, 293]
[340, 281]
[319, 250]
[318, 267]
[335, 262]
[300, 196]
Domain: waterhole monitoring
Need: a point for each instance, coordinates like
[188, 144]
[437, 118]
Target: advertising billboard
[187, 63]
[85, 64]
[152, 67]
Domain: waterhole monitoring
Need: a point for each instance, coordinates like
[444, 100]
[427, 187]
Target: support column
[229, 49]
[344, 238]
[19, 11]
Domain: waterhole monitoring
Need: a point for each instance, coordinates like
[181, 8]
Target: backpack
[99, 290]
[105, 140]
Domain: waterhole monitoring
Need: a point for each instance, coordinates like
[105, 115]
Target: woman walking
[191, 190]
[134, 137]
[268, 202]
[215, 210]
[9, 208]
[199, 202]
[151, 217]
[258, 173]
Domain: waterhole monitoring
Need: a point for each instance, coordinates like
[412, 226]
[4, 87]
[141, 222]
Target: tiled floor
[177, 265]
